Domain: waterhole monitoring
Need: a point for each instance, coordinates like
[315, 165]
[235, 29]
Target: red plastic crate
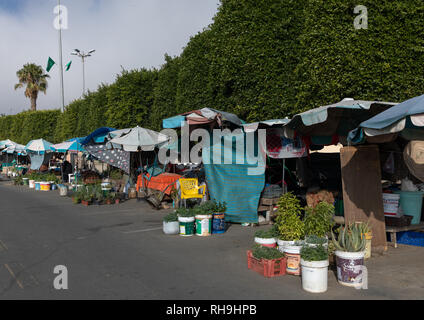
[267, 268]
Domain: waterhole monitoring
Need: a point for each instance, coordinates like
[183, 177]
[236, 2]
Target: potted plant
[186, 218]
[110, 197]
[268, 237]
[171, 224]
[319, 220]
[86, 195]
[76, 197]
[314, 241]
[314, 265]
[288, 222]
[203, 217]
[366, 233]
[218, 217]
[350, 252]
[269, 262]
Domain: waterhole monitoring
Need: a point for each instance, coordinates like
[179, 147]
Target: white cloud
[131, 33]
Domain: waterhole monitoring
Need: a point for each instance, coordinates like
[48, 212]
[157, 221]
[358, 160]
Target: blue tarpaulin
[235, 183]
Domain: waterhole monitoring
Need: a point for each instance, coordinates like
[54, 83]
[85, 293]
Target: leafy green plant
[319, 220]
[185, 212]
[318, 253]
[350, 239]
[267, 234]
[288, 221]
[266, 253]
[171, 217]
[314, 239]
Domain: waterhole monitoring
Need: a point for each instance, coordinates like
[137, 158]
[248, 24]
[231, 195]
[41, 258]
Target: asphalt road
[120, 252]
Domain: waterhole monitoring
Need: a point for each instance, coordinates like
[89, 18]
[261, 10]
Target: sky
[126, 34]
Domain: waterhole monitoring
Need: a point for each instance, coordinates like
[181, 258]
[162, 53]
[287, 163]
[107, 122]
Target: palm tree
[35, 79]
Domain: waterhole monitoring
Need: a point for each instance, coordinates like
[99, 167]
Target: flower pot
[63, 190]
[293, 259]
[85, 202]
[172, 227]
[314, 275]
[266, 242]
[25, 181]
[186, 226]
[117, 201]
[349, 272]
[218, 222]
[203, 225]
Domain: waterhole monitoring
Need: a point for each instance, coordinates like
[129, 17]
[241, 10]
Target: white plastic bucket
[186, 226]
[391, 204]
[63, 190]
[172, 227]
[203, 225]
[349, 272]
[266, 242]
[314, 275]
[32, 184]
[283, 243]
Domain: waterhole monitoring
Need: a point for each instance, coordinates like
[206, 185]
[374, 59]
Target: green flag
[50, 64]
[68, 65]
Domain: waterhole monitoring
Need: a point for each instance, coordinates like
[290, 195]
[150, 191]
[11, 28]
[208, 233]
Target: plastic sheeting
[234, 183]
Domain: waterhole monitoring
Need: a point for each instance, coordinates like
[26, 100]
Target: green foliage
[185, 212]
[267, 234]
[350, 239]
[171, 217]
[266, 253]
[288, 221]
[319, 220]
[318, 253]
[313, 239]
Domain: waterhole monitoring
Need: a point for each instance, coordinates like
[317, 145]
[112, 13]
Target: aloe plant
[350, 239]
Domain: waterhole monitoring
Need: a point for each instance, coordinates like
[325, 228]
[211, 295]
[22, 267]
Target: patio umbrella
[406, 118]
[6, 143]
[201, 117]
[326, 123]
[39, 146]
[73, 146]
[15, 148]
[135, 139]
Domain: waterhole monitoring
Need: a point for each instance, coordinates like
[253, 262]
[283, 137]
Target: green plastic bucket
[186, 226]
[25, 181]
[411, 203]
[203, 225]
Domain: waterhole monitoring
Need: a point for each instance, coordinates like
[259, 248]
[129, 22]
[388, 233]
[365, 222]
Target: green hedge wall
[260, 59]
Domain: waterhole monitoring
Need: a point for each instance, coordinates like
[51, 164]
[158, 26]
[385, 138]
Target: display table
[394, 230]
[160, 182]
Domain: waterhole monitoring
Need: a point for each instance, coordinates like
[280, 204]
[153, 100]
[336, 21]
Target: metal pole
[61, 63]
[83, 75]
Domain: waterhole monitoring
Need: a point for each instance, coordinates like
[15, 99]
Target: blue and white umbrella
[6, 143]
[72, 146]
[39, 146]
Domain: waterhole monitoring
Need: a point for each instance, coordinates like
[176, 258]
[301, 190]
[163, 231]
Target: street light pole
[61, 63]
[82, 55]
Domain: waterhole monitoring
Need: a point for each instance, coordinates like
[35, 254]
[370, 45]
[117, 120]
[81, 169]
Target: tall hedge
[260, 59]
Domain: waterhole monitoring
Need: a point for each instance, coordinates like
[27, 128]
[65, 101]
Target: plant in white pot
[314, 264]
[171, 224]
[186, 218]
[350, 253]
[267, 237]
[318, 222]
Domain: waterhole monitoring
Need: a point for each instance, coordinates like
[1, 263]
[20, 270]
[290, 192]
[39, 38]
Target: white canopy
[134, 139]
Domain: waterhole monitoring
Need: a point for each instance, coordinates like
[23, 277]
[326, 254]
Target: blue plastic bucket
[411, 203]
[218, 223]
[37, 185]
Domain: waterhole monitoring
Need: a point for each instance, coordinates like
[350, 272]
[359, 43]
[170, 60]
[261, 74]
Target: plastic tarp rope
[234, 183]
